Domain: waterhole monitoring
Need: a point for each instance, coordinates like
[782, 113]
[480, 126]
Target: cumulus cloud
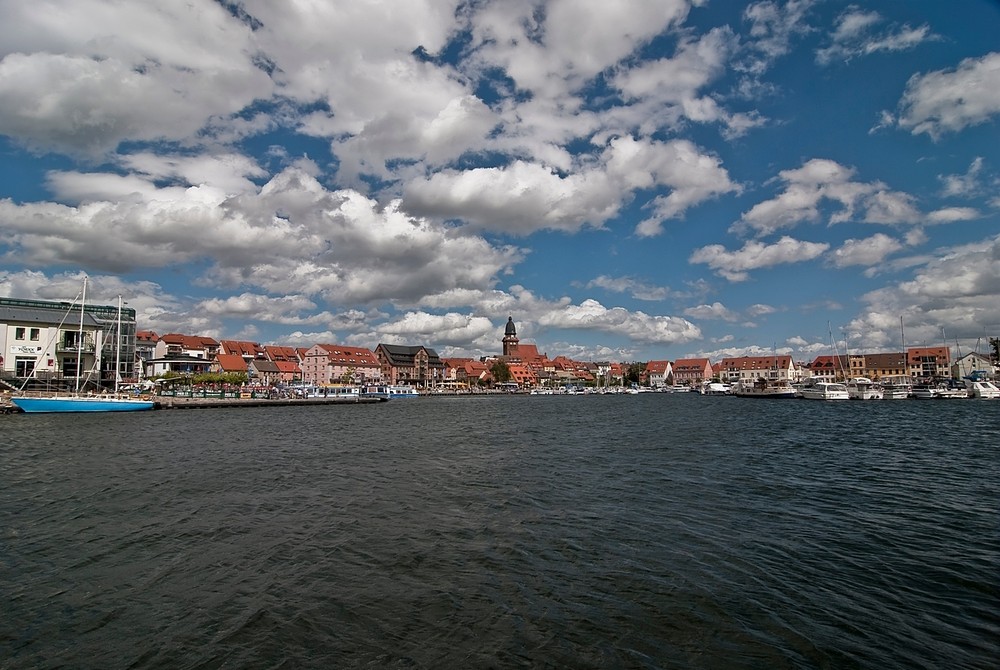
[951, 100]
[866, 252]
[954, 288]
[638, 326]
[292, 236]
[103, 74]
[820, 181]
[736, 265]
[523, 198]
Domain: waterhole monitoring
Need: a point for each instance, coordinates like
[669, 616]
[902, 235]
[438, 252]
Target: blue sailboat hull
[78, 404]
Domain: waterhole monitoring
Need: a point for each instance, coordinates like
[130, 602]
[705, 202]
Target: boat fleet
[897, 387]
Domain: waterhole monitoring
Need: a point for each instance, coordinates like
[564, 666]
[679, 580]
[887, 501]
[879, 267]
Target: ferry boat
[389, 392]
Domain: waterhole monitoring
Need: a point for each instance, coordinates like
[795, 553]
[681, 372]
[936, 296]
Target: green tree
[501, 372]
[633, 373]
[995, 350]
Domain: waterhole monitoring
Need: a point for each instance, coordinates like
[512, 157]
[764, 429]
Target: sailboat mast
[118, 343]
[79, 341]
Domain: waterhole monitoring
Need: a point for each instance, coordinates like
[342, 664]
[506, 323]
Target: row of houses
[323, 364]
[46, 340]
[916, 362]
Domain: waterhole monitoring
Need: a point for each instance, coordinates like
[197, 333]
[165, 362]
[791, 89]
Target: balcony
[74, 348]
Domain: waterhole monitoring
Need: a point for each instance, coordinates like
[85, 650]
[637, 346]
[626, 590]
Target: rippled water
[567, 532]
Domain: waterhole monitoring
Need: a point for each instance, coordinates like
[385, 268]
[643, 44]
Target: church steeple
[510, 338]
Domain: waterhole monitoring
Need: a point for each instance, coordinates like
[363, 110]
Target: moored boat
[896, 387]
[389, 391]
[981, 388]
[33, 405]
[863, 388]
[762, 388]
[821, 390]
[85, 403]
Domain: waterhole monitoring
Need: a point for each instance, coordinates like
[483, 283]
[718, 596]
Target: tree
[995, 350]
[501, 372]
[634, 373]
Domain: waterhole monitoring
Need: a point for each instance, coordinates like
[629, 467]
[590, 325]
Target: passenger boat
[863, 388]
[824, 391]
[389, 392]
[762, 388]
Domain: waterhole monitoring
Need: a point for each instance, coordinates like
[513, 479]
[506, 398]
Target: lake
[637, 531]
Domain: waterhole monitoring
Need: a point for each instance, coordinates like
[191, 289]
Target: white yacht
[824, 391]
[982, 389]
[896, 387]
[863, 388]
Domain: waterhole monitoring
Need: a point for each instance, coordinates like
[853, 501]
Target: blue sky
[629, 180]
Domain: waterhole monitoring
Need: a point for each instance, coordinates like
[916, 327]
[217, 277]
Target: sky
[630, 180]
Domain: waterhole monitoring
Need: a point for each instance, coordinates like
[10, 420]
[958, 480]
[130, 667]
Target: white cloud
[637, 289]
[869, 251]
[773, 26]
[524, 197]
[952, 100]
[817, 182]
[292, 237]
[854, 37]
[637, 326]
[82, 77]
[714, 311]
[963, 184]
[952, 214]
[953, 288]
[735, 265]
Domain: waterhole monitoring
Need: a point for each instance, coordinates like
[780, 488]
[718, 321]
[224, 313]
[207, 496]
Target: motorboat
[820, 390]
[896, 387]
[763, 388]
[982, 389]
[863, 388]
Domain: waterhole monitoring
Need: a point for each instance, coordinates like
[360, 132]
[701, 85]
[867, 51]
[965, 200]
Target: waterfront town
[51, 344]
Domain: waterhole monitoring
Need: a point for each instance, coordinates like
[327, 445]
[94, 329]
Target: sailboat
[88, 403]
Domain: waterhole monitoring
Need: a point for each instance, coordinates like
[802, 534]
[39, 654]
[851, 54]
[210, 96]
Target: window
[35, 334]
[19, 333]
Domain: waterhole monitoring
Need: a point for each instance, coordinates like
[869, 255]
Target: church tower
[510, 338]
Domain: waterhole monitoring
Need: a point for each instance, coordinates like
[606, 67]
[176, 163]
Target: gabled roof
[279, 353]
[231, 363]
[264, 365]
[403, 356]
[889, 361]
[756, 362]
[287, 367]
[243, 348]
[339, 354]
[692, 365]
[146, 336]
[657, 367]
[189, 341]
